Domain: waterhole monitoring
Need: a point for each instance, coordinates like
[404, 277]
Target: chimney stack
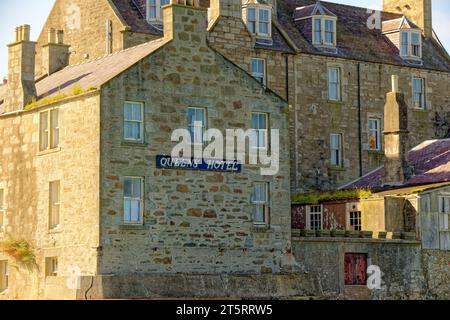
[225, 8]
[418, 11]
[395, 136]
[55, 54]
[21, 87]
[185, 21]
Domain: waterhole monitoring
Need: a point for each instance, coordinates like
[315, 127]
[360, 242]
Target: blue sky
[34, 12]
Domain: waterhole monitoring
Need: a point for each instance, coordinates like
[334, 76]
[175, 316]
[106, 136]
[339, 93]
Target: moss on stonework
[75, 91]
[316, 197]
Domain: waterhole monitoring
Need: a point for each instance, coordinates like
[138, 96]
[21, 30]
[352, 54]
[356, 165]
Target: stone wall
[25, 174]
[315, 117]
[84, 25]
[407, 271]
[194, 222]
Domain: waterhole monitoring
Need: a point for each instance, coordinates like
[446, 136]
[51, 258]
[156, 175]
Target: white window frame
[422, 103]
[444, 213]
[337, 84]
[409, 45]
[259, 75]
[340, 149]
[132, 121]
[4, 275]
[257, 22]
[376, 132]
[195, 125]
[48, 133]
[323, 32]
[264, 204]
[51, 266]
[140, 199]
[2, 210]
[54, 217]
[309, 216]
[351, 219]
[259, 132]
[158, 4]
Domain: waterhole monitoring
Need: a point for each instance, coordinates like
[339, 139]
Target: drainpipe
[287, 77]
[359, 122]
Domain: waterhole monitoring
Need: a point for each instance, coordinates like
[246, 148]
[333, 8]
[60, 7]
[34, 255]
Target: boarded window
[51, 267]
[3, 275]
[55, 204]
[355, 269]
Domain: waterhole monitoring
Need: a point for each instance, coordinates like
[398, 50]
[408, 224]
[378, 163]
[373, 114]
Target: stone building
[81, 182]
[87, 115]
[406, 197]
[332, 63]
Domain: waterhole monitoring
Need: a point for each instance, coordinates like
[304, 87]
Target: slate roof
[133, 13]
[312, 10]
[354, 39]
[430, 162]
[397, 24]
[94, 73]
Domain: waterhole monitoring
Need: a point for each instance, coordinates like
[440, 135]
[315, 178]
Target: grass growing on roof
[75, 91]
[316, 197]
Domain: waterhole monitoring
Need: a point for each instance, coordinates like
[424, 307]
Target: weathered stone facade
[295, 74]
[194, 222]
[25, 174]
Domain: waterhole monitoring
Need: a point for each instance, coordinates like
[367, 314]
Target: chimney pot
[60, 37]
[21, 87]
[51, 35]
[394, 83]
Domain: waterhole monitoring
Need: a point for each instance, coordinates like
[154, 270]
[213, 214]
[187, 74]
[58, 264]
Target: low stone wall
[197, 286]
[408, 272]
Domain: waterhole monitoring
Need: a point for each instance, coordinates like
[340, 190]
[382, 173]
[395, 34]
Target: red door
[355, 269]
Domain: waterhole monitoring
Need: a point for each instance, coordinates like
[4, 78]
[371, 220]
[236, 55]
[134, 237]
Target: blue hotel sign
[167, 162]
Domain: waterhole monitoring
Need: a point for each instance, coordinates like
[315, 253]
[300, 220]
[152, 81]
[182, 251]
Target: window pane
[54, 116]
[264, 21]
[404, 43]
[333, 84]
[329, 31]
[54, 203]
[196, 124]
[317, 30]
[258, 69]
[135, 214]
[128, 188]
[43, 125]
[251, 20]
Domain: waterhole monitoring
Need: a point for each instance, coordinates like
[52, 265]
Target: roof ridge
[112, 54]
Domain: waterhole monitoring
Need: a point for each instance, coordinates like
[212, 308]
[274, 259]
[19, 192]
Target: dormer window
[411, 44]
[258, 19]
[324, 31]
[319, 26]
[154, 10]
[406, 36]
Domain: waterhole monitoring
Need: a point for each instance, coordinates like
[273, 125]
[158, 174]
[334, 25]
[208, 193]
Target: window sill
[337, 102]
[335, 168]
[261, 228]
[131, 226]
[56, 230]
[49, 151]
[129, 143]
[423, 110]
[375, 152]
